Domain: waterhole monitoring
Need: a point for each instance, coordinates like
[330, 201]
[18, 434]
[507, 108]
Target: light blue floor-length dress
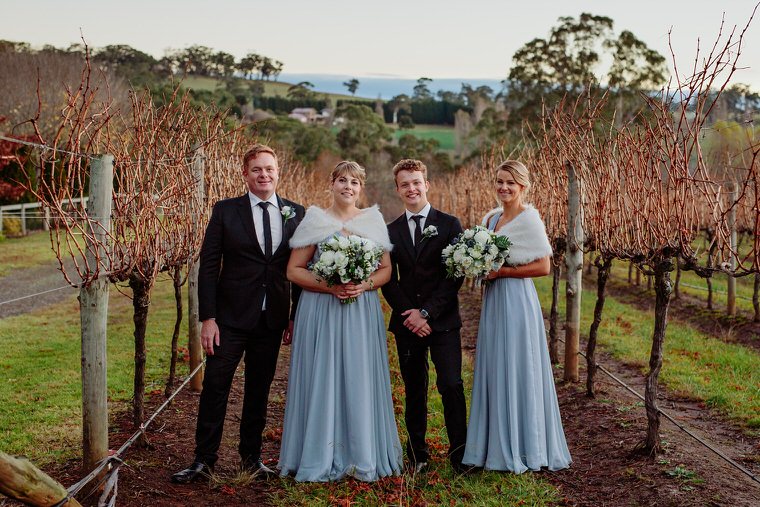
[339, 418]
[514, 422]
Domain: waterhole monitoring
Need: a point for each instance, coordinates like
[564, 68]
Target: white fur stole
[527, 233]
[317, 225]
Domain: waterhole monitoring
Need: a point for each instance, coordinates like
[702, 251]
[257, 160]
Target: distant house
[253, 116]
[305, 114]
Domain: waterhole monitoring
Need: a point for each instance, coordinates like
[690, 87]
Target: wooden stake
[194, 326]
[574, 262]
[731, 296]
[22, 481]
[93, 307]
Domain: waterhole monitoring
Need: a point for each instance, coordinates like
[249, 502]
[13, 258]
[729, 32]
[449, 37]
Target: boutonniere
[287, 213]
[429, 231]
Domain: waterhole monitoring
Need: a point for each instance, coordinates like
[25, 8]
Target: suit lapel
[288, 226]
[246, 218]
[406, 237]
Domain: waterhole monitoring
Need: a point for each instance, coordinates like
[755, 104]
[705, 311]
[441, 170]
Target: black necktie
[417, 232]
[267, 229]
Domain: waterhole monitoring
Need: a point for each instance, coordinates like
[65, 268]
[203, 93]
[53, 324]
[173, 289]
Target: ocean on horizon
[384, 87]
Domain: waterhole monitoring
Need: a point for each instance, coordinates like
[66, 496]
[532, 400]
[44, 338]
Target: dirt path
[46, 279]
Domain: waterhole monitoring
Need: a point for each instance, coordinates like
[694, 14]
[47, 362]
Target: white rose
[327, 258]
[482, 237]
[341, 259]
[343, 242]
[469, 233]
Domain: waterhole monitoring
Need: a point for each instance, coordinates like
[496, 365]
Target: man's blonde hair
[256, 150]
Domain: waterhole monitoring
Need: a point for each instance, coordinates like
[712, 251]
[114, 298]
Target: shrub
[11, 227]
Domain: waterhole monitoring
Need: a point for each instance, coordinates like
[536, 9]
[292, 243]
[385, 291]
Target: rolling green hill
[271, 88]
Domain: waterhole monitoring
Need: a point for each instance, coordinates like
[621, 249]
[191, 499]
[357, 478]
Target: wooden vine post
[731, 296]
[194, 327]
[574, 263]
[93, 306]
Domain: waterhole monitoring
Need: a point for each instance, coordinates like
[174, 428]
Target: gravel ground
[45, 283]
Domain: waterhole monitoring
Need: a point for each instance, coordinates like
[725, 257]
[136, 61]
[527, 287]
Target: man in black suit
[425, 313]
[244, 300]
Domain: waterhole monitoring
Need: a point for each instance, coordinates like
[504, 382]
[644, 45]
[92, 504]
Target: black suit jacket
[419, 281]
[235, 275]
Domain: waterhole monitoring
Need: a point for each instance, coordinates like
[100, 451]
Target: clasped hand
[416, 323]
[494, 275]
[347, 290]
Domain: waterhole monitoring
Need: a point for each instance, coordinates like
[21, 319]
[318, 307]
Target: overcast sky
[400, 38]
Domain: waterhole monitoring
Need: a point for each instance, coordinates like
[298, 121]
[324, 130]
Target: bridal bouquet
[345, 259]
[475, 253]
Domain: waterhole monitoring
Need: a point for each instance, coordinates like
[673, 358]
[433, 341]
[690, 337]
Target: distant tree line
[140, 68]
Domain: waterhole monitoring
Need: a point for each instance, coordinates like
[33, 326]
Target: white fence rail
[33, 210]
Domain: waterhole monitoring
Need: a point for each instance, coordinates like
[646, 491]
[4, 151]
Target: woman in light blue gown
[339, 418]
[515, 423]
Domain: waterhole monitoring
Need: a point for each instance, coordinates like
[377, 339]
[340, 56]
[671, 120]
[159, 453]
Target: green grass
[444, 134]
[696, 365]
[440, 486]
[26, 252]
[271, 88]
[694, 286]
[40, 385]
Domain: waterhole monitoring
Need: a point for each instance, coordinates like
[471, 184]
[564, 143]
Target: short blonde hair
[410, 164]
[518, 171]
[349, 168]
[255, 150]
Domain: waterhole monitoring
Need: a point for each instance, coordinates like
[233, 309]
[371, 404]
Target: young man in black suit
[425, 313]
[244, 298]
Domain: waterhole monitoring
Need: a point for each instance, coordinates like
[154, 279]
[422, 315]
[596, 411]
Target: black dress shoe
[257, 469]
[192, 473]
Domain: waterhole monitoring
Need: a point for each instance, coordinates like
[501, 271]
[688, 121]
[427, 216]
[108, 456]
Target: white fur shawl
[527, 233]
[317, 225]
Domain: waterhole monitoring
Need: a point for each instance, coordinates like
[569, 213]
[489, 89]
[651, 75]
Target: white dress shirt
[275, 220]
[275, 225]
[424, 212]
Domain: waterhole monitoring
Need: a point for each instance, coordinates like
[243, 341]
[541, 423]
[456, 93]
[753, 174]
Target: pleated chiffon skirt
[339, 418]
[515, 423]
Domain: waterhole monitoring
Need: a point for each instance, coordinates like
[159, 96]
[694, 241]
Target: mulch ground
[602, 433]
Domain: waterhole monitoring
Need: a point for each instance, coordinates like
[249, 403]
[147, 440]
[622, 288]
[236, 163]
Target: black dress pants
[261, 346]
[446, 352]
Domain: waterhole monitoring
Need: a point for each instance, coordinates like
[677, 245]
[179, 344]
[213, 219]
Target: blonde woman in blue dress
[515, 423]
[339, 418]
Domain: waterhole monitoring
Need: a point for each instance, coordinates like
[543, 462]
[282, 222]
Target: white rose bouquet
[475, 253]
[347, 259]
